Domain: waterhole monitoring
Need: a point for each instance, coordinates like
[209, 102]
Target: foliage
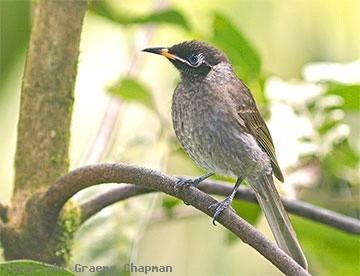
[334, 153]
[169, 16]
[28, 267]
[241, 53]
[248, 211]
[349, 94]
[131, 90]
[333, 253]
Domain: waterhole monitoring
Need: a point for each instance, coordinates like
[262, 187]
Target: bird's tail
[277, 218]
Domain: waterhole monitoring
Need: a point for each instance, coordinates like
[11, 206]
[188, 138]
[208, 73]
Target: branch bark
[341, 222]
[66, 186]
[96, 203]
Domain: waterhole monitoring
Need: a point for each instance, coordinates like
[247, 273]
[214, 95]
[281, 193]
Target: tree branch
[347, 224]
[96, 203]
[65, 187]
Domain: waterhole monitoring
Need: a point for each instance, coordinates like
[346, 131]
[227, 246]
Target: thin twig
[66, 186]
[96, 203]
[341, 222]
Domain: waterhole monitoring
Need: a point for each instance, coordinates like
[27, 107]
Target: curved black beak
[156, 50]
[160, 51]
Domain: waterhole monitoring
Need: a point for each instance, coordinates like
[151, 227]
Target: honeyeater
[217, 122]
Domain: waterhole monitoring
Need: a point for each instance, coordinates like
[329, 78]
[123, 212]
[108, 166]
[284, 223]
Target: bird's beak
[161, 51]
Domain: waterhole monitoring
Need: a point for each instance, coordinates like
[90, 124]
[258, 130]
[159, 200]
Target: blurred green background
[300, 58]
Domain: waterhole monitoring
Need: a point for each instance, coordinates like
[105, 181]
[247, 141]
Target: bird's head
[194, 59]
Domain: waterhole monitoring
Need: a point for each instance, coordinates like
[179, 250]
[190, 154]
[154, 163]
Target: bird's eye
[193, 59]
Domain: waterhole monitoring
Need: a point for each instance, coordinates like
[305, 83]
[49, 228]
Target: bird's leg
[192, 182]
[222, 205]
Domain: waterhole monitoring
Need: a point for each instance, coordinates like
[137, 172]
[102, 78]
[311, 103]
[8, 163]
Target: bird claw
[220, 207]
[184, 183]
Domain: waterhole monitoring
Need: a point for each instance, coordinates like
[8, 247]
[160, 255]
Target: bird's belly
[214, 142]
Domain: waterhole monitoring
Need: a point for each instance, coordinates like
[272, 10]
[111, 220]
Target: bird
[218, 123]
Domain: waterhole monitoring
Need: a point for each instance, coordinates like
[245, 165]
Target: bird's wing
[252, 122]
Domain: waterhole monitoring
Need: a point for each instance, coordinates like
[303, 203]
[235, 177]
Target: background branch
[66, 186]
[96, 203]
[296, 207]
[347, 224]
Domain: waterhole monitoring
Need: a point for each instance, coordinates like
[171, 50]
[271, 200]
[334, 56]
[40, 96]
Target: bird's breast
[204, 124]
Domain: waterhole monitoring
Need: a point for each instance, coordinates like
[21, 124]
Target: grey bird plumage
[218, 124]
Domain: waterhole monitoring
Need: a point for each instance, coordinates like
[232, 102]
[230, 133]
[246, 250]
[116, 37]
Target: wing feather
[253, 122]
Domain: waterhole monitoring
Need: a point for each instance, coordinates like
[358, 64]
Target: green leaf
[329, 251]
[248, 211]
[170, 16]
[341, 162]
[14, 35]
[169, 203]
[131, 90]
[349, 93]
[167, 16]
[241, 53]
[27, 267]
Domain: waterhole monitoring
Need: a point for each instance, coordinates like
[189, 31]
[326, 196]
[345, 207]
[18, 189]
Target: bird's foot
[220, 207]
[184, 183]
